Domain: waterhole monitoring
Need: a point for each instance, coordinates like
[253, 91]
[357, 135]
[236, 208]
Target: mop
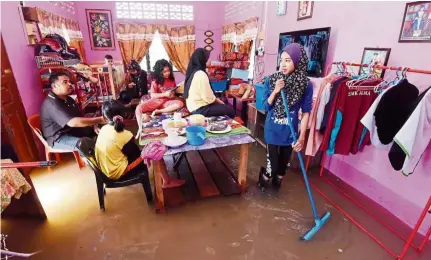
[319, 222]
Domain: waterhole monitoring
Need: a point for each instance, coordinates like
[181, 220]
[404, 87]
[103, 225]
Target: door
[19, 135]
[13, 116]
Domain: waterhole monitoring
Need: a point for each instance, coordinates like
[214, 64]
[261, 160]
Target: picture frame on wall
[375, 56]
[100, 29]
[305, 9]
[416, 25]
[281, 7]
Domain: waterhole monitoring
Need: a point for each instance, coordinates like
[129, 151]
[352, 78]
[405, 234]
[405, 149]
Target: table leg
[159, 168]
[242, 168]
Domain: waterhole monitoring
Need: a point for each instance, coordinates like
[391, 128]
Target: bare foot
[171, 183]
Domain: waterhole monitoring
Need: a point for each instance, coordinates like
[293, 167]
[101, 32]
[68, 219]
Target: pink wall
[207, 17]
[21, 55]
[354, 27]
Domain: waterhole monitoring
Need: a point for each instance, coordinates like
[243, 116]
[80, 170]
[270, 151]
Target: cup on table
[177, 116]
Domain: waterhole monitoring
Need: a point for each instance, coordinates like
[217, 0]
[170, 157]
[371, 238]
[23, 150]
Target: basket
[53, 61]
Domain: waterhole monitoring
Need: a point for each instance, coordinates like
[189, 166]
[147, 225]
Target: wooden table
[209, 171]
[159, 167]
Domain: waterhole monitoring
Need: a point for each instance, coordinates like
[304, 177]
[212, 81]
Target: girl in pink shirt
[161, 92]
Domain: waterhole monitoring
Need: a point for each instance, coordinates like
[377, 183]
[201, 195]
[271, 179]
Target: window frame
[181, 11]
[148, 57]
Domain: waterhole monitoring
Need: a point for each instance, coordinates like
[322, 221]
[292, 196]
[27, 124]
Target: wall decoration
[416, 26]
[305, 9]
[208, 33]
[281, 7]
[209, 40]
[100, 29]
[375, 56]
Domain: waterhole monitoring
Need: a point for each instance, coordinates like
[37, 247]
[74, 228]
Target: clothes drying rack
[427, 209]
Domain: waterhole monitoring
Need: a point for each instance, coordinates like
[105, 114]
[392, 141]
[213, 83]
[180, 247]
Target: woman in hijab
[137, 80]
[292, 77]
[200, 98]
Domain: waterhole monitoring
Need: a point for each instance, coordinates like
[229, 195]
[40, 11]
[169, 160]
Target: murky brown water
[255, 225]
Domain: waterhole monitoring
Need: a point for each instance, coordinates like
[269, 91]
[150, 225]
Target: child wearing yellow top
[116, 151]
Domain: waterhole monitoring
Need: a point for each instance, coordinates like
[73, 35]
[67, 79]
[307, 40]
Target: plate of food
[219, 128]
[170, 123]
[174, 141]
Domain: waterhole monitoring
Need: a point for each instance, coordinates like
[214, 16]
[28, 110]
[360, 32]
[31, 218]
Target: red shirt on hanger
[344, 129]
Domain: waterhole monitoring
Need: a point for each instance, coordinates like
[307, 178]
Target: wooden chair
[34, 122]
[86, 147]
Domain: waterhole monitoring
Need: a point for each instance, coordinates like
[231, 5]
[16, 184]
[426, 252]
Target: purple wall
[21, 56]
[208, 16]
[354, 27]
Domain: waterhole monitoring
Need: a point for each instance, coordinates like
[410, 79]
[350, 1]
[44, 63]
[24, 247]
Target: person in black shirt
[137, 79]
[61, 120]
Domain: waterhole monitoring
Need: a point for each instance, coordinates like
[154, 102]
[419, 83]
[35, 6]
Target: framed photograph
[375, 56]
[305, 9]
[281, 7]
[100, 29]
[416, 26]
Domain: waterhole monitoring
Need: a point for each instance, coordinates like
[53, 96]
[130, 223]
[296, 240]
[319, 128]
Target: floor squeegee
[319, 222]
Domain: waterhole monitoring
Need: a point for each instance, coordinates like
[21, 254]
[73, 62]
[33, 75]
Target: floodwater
[253, 226]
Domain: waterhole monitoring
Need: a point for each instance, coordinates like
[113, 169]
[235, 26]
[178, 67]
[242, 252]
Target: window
[157, 52]
[144, 10]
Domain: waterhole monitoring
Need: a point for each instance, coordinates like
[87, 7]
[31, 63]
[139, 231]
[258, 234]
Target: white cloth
[370, 123]
[324, 99]
[415, 135]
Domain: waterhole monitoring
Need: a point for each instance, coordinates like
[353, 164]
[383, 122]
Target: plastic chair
[86, 147]
[34, 122]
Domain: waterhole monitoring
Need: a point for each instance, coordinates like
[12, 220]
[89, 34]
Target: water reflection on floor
[255, 225]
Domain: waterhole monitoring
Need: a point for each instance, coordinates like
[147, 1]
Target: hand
[279, 85]
[299, 144]
[168, 94]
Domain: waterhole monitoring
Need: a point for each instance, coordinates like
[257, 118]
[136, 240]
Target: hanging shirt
[335, 84]
[414, 136]
[370, 123]
[350, 105]
[277, 131]
[393, 110]
[324, 99]
[315, 138]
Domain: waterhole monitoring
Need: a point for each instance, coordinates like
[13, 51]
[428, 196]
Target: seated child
[162, 97]
[116, 152]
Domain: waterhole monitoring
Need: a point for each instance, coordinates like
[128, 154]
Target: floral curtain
[179, 43]
[246, 33]
[228, 38]
[242, 34]
[134, 40]
[50, 23]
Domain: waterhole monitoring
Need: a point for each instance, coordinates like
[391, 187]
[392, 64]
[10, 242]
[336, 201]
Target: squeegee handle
[301, 162]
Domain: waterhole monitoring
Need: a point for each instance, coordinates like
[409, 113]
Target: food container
[196, 120]
[196, 135]
[169, 123]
